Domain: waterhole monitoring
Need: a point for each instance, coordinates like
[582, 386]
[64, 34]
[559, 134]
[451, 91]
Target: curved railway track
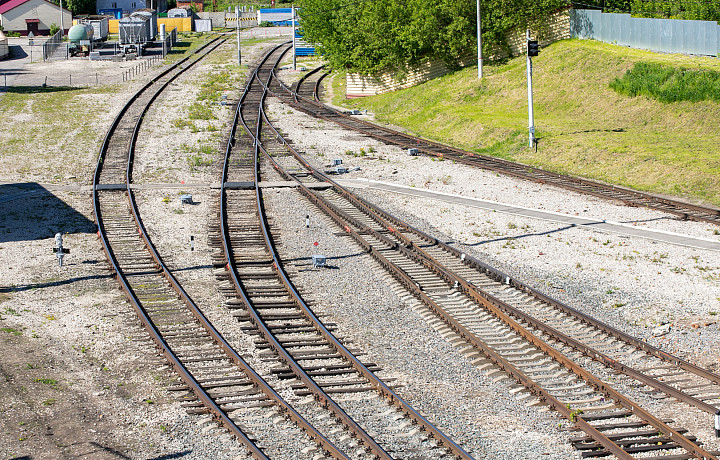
[346, 388]
[474, 302]
[340, 406]
[217, 380]
[306, 98]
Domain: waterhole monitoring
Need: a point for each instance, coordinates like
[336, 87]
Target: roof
[7, 5]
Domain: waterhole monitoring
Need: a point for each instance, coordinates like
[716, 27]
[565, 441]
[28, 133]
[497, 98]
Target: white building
[34, 16]
[128, 6]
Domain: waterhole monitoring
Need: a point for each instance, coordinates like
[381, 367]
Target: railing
[144, 65]
[52, 44]
[170, 40]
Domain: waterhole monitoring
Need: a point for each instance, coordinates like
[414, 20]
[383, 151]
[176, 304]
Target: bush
[669, 84]
[54, 28]
[266, 24]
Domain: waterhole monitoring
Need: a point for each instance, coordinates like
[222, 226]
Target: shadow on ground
[29, 212]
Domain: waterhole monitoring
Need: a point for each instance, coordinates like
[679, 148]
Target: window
[114, 5]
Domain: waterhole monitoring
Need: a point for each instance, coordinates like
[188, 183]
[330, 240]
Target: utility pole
[293, 36]
[62, 25]
[479, 40]
[237, 26]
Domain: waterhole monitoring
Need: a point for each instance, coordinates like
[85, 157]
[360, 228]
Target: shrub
[669, 84]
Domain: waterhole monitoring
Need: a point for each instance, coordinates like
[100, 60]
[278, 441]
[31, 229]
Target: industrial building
[128, 6]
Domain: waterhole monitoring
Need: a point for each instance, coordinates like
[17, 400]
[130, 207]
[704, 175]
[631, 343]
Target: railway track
[361, 412]
[306, 97]
[213, 378]
[484, 309]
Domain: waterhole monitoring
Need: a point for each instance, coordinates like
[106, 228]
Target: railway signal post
[293, 36]
[237, 24]
[479, 43]
[533, 49]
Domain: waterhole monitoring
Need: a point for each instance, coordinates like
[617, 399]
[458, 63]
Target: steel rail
[504, 278]
[538, 391]
[503, 364]
[624, 337]
[383, 218]
[341, 218]
[215, 335]
[304, 78]
[526, 172]
[430, 262]
[378, 384]
[148, 324]
[317, 391]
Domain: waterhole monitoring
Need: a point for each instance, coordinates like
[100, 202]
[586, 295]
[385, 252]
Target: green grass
[668, 84]
[11, 330]
[69, 140]
[586, 128]
[198, 111]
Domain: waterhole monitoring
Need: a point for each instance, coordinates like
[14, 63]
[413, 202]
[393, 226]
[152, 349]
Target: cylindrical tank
[80, 32]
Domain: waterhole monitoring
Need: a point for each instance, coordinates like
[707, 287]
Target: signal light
[533, 49]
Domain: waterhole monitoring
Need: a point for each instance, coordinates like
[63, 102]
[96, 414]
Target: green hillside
[586, 128]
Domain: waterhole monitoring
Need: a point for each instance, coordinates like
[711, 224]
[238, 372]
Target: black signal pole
[532, 50]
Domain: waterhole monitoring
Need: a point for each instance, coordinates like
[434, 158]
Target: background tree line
[370, 36]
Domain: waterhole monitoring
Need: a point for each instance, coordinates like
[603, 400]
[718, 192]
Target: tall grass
[669, 84]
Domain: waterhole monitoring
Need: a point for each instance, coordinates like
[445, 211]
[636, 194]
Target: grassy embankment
[586, 128]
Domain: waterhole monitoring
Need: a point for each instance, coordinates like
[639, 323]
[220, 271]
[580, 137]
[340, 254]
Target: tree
[370, 36]
[78, 6]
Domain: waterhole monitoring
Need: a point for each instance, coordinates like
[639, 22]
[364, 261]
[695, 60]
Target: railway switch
[413, 152]
[186, 199]
[319, 260]
[307, 220]
[336, 162]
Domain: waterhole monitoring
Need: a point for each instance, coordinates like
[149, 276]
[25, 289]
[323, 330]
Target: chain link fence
[51, 45]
